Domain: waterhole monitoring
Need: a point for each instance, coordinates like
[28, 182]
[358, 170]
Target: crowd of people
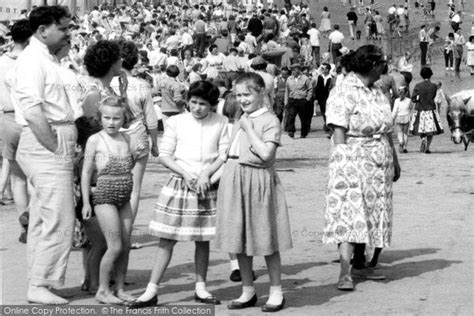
[83, 97]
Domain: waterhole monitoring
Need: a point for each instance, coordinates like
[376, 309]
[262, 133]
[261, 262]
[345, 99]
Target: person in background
[459, 42]
[298, 95]
[401, 117]
[470, 54]
[9, 129]
[314, 39]
[449, 51]
[425, 120]
[323, 86]
[336, 39]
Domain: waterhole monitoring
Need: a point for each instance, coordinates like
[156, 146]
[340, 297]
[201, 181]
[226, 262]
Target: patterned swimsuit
[114, 181]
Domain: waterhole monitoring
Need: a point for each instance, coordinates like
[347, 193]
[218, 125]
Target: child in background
[253, 216]
[108, 162]
[401, 116]
[306, 51]
[441, 100]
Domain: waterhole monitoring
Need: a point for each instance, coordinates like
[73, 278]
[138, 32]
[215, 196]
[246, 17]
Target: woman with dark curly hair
[362, 166]
[141, 105]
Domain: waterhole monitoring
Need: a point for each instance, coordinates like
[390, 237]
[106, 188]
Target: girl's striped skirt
[182, 215]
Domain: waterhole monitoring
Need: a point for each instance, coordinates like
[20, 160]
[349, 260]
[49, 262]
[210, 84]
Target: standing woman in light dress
[193, 148]
[362, 166]
[144, 122]
[325, 26]
[470, 54]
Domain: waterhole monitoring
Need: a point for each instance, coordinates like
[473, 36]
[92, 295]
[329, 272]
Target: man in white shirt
[423, 37]
[45, 151]
[335, 42]
[314, 39]
[459, 42]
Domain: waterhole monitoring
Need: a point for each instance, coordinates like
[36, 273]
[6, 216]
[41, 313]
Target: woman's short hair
[21, 31]
[211, 48]
[364, 59]
[205, 90]
[100, 57]
[231, 109]
[426, 73]
[129, 54]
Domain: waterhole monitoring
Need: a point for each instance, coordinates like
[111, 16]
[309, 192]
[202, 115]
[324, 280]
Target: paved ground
[429, 265]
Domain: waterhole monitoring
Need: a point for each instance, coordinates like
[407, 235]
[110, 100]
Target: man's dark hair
[47, 15]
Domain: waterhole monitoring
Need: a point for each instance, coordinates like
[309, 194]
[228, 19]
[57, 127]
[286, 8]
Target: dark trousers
[304, 110]
[448, 59]
[322, 107]
[316, 54]
[200, 41]
[335, 51]
[424, 51]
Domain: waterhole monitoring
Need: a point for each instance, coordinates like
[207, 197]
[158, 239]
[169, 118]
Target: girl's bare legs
[248, 290]
[94, 253]
[405, 136]
[201, 261]
[429, 139]
[162, 260]
[400, 136]
[345, 252]
[111, 226]
[274, 271]
[126, 221]
[4, 184]
[138, 171]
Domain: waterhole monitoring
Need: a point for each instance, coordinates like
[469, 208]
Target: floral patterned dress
[358, 205]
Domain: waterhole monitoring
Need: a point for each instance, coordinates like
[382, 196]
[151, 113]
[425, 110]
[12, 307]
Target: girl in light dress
[401, 116]
[325, 26]
[253, 216]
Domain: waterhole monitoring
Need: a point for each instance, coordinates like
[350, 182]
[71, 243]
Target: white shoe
[447, 68]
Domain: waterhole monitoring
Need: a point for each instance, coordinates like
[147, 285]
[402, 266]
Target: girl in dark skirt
[425, 120]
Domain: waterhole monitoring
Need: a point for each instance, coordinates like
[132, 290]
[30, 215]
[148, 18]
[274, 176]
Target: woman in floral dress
[363, 163]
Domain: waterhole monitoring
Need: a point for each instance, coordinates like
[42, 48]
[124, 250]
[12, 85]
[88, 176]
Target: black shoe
[240, 305]
[141, 304]
[24, 219]
[23, 237]
[405, 151]
[292, 135]
[268, 308]
[303, 136]
[208, 300]
[235, 276]
[427, 151]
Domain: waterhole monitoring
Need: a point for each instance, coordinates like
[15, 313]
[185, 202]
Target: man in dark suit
[324, 83]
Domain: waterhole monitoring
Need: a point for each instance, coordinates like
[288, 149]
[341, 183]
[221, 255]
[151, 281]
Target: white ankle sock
[150, 292]
[247, 293]
[276, 295]
[201, 290]
[234, 265]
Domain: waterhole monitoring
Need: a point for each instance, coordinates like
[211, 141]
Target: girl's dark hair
[364, 59]
[129, 54]
[205, 90]
[211, 48]
[426, 73]
[346, 61]
[100, 57]
[253, 80]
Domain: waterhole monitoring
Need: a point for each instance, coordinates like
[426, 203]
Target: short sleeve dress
[358, 206]
[252, 215]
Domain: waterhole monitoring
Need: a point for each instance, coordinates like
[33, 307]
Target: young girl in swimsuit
[108, 163]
